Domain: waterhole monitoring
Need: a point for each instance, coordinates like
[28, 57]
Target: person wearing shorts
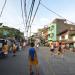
[5, 48]
[14, 49]
[52, 49]
[33, 61]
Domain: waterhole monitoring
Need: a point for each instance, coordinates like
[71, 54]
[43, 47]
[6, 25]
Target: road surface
[48, 64]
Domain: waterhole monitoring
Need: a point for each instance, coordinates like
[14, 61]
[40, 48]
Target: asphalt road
[48, 64]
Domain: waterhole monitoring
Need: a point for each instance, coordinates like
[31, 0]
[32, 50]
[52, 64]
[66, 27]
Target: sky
[12, 15]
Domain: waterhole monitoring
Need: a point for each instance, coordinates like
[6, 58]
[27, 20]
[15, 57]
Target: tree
[10, 32]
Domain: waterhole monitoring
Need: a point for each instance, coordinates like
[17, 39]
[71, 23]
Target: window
[51, 35]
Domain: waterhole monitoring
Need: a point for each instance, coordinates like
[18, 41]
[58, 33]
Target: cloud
[40, 23]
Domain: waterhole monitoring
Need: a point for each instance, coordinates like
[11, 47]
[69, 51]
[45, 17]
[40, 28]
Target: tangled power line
[3, 8]
[28, 19]
[56, 13]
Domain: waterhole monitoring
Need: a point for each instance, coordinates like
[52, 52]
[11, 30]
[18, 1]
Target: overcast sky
[12, 13]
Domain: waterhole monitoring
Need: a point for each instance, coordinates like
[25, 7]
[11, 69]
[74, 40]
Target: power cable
[25, 11]
[35, 12]
[30, 14]
[34, 16]
[25, 15]
[3, 7]
[22, 12]
[55, 13]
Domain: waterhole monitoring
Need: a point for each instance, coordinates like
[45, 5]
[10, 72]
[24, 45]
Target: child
[5, 48]
[14, 49]
[33, 61]
[52, 49]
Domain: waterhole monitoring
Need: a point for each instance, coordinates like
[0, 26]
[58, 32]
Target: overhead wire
[35, 12]
[27, 19]
[25, 16]
[33, 2]
[3, 7]
[56, 13]
[31, 11]
[22, 12]
[34, 16]
[30, 14]
[25, 12]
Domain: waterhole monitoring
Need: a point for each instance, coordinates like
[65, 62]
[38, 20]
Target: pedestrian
[60, 50]
[5, 48]
[24, 45]
[14, 48]
[52, 48]
[20, 47]
[33, 60]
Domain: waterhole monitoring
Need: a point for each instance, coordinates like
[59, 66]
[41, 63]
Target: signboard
[52, 32]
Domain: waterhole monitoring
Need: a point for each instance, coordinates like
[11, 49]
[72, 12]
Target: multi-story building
[45, 33]
[67, 36]
[56, 27]
[42, 35]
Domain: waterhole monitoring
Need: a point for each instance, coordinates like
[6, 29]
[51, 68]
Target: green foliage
[10, 32]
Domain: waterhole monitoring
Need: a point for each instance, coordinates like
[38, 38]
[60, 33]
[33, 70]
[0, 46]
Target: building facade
[59, 26]
[68, 36]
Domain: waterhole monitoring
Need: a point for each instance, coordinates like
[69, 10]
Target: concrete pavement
[56, 65]
[48, 64]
